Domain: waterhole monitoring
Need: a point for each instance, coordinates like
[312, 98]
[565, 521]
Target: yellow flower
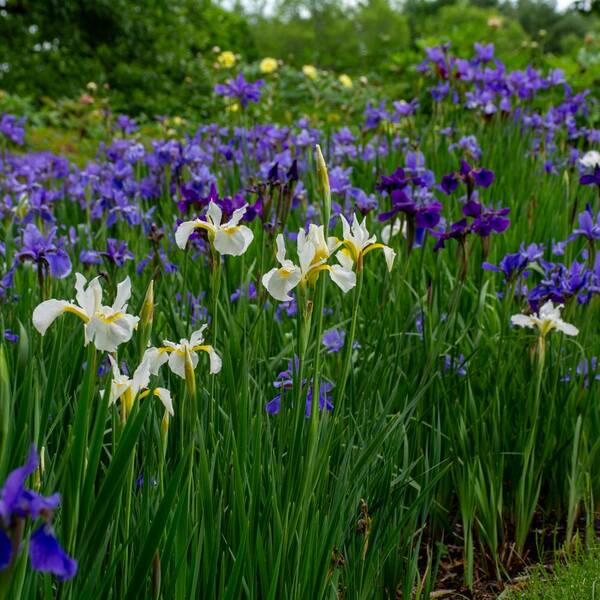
[346, 81]
[268, 65]
[310, 71]
[233, 107]
[226, 59]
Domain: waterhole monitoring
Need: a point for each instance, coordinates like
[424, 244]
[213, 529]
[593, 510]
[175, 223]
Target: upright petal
[214, 214]
[237, 216]
[123, 295]
[198, 336]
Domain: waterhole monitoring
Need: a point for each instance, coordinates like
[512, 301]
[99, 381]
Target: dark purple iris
[45, 252]
[457, 231]
[240, 89]
[471, 176]
[18, 503]
[424, 216]
[591, 178]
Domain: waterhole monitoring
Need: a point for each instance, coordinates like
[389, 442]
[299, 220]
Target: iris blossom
[18, 503]
[105, 326]
[229, 238]
[313, 253]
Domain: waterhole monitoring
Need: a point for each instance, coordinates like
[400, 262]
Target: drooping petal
[522, 321]
[14, 485]
[108, 336]
[153, 359]
[344, 278]
[566, 328]
[233, 241]
[184, 231]
[177, 363]
[280, 282]
[389, 255]
[215, 360]
[164, 396]
[59, 263]
[47, 555]
[47, 312]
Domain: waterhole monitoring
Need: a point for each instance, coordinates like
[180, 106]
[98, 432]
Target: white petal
[47, 312]
[280, 248]
[153, 359]
[164, 396]
[237, 215]
[566, 328]
[522, 321]
[345, 260]
[234, 241]
[177, 363]
[390, 255]
[215, 360]
[108, 336]
[198, 336]
[345, 279]
[214, 213]
[123, 295]
[279, 282]
[182, 235]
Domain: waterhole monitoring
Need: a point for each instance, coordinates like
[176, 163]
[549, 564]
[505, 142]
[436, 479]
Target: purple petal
[47, 555]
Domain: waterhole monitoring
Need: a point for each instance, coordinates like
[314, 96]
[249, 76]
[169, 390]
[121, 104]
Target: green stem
[350, 337]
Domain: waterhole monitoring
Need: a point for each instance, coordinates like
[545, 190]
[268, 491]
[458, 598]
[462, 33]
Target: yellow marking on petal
[374, 247]
[110, 318]
[143, 394]
[77, 311]
[204, 348]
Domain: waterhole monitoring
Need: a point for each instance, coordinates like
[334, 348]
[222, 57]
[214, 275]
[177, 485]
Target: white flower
[358, 242]
[547, 319]
[391, 230]
[590, 159]
[127, 390]
[313, 253]
[228, 238]
[174, 354]
[105, 326]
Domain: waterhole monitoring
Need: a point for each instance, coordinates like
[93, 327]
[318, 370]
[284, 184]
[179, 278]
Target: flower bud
[190, 378]
[147, 312]
[323, 178]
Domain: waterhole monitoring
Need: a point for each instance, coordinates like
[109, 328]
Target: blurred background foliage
[159, 57]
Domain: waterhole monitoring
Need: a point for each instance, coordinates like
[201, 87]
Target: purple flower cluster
[241, 90]
[18, 503]
[285, 381]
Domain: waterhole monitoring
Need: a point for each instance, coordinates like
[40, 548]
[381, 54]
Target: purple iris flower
[423, 216]
[591, 179]
[455, 365]
[374, 115]
[333, 340]
[491, 221]
[587, 226]
[285, 382]
[18, 503]
[512, 265]
[126, 125]
[45, 252]
[457, 231]
[240, 89]
[12, 129]
[117, 252]
[11, 337]
[471, 176]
